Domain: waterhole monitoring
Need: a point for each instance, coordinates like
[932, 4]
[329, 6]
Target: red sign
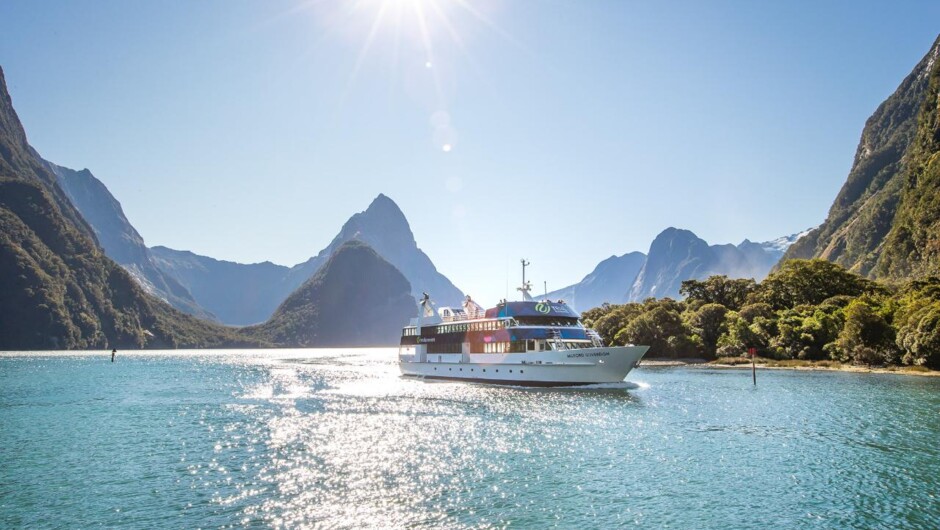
[752, 351]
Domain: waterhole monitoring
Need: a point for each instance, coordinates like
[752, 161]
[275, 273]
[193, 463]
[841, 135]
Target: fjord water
[335, 438]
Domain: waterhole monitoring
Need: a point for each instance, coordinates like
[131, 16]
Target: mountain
[384, 227]
[248, 294]
[881, 222]
[912, 246]
[608, 282]
[57, 288]
[355, 299]
[120, 240]
[781, 244]
[677, 255]
[237, 293]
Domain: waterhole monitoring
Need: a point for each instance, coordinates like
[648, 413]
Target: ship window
[445, 347]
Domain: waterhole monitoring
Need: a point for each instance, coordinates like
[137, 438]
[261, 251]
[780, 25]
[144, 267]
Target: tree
[752, 311]
[661, 329]
[591, 316]
[800, 282]
[617, 318]
[918, 323]
[708, 323]
[918, 336]
[805, 331]
[719, 290]
[866, 337]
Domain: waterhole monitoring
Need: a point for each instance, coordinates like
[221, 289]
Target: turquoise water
[335, 438]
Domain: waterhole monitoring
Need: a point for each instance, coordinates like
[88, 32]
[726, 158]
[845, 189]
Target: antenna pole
[546, 288]
[524, 265]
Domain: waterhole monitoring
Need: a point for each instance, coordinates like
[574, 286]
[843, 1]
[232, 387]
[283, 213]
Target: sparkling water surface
[337, 439]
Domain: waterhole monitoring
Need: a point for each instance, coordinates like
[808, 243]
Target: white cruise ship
[526, 343]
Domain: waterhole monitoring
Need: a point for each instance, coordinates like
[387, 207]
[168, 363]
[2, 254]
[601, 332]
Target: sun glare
[418, 42]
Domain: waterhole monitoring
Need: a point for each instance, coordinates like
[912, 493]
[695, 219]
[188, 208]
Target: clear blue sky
[251, 131]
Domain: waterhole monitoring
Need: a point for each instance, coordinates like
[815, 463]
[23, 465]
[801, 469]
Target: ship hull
[585, 366]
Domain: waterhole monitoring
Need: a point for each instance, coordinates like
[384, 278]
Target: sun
[419, 40]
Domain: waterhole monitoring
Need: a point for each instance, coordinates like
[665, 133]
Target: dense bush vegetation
[808, 309]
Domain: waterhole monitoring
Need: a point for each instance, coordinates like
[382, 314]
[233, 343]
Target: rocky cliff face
[248, 294]
[912, 247]
[57, 288]
[674, 255]
[120, 240]
[865, 210]
[355, 299]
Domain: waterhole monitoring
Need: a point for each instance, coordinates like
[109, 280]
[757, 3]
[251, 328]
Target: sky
[560, 131]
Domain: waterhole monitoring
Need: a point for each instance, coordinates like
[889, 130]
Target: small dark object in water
[113, 353]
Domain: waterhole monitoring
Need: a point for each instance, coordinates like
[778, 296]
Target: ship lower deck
[556, 368]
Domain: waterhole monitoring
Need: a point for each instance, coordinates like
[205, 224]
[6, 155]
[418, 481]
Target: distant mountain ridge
[384, 227]
[236, 293]
[883, 222]
[677, 255]
[58, 290]
[242, 294]
[609, 282]
[120, 239]
[674, 255]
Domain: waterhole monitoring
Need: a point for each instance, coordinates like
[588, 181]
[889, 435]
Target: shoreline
[809, 366]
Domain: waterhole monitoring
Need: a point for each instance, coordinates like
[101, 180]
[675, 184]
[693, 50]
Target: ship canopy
[532, 309]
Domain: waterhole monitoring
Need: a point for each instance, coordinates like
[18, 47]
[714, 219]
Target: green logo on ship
[543, 308]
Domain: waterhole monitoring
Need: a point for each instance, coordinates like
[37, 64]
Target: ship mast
[526, 286]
